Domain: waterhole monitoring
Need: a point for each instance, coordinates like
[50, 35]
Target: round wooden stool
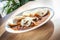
[42, 33]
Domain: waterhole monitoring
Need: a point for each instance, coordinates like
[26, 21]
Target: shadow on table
[42, 33]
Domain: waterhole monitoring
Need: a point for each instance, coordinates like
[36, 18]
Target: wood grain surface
[42, 33]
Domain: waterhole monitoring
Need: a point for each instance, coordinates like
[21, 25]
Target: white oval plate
[21, 31]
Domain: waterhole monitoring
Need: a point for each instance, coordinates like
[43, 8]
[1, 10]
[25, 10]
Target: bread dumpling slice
[40, 12]
[44, 11]
[27, 13]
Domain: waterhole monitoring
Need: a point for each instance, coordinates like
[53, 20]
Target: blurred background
[8, 6]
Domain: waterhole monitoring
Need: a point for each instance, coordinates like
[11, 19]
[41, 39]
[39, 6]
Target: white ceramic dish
[21, 31]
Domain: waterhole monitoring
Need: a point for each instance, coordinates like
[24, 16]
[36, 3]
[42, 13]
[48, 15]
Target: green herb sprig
[12, 5]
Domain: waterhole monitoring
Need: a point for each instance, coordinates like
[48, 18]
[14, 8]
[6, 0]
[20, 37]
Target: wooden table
[42, 33]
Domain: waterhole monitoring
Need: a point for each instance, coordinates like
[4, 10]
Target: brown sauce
[19, 27]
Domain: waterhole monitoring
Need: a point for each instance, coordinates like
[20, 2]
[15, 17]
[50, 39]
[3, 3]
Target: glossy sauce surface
[18, 26]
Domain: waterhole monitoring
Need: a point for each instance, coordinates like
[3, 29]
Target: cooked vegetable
[13, 5]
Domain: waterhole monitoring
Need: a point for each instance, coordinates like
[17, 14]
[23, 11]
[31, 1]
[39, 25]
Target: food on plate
[29, 19]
